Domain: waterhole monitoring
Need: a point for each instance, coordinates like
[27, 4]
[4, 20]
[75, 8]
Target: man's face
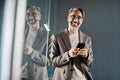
[75, 19]
[32, 16]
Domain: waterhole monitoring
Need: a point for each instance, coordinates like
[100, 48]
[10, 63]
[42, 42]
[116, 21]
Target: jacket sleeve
[39, 58]
[89, 60]
[58, 59]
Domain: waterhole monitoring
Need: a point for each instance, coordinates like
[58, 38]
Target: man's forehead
[77, 12]
[32, 10]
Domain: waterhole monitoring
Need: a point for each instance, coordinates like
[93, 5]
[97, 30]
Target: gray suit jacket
[34, 65]
[63, 63]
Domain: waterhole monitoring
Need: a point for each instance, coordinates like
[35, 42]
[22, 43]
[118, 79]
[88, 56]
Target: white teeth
[75, 24]
[31, 21]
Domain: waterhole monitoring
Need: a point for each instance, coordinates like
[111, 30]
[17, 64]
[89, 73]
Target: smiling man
[34, 52]
[71, 62]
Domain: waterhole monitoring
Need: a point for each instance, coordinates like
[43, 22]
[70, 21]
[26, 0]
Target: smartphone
[81, 45]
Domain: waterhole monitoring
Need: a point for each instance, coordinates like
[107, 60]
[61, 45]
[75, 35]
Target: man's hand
[83, 52]
[73, 52]
[28, 49]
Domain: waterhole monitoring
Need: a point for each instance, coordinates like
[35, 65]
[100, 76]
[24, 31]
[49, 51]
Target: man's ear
[39, 17]
[68, 18]
[81, 21]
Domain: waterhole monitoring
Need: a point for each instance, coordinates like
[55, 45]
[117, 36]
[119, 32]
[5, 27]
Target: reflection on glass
[34, 60]
[34, 55]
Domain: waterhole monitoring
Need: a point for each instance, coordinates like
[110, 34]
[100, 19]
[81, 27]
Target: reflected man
[34, 57]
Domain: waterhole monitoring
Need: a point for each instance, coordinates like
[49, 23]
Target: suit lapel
[40, 39]
[80, 36]
[26, 33]
[66, 40]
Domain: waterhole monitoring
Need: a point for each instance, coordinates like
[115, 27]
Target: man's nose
[75, 19]
[31, 17]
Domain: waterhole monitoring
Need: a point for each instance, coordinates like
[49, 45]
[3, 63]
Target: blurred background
[101, 23]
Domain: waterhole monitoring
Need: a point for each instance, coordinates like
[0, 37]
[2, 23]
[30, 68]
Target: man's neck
[73, 31]
[34, 28]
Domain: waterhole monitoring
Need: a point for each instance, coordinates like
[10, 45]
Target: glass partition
[15, 30]
[35, 64]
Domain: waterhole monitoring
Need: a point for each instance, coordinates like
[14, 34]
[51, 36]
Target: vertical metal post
[18, 39]
[12, 39]
[47, 29]
[7, 38]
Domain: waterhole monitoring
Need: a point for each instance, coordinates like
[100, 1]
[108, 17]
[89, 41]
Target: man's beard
[75, 27]
[32, 23]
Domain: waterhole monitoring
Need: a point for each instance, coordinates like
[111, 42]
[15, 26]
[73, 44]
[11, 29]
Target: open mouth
[74, 23]
[32, 21]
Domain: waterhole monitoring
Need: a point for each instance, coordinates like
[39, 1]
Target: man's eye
[74, 16]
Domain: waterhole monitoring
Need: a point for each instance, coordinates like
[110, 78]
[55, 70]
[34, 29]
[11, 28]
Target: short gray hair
[75, 9]
[35, 8]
